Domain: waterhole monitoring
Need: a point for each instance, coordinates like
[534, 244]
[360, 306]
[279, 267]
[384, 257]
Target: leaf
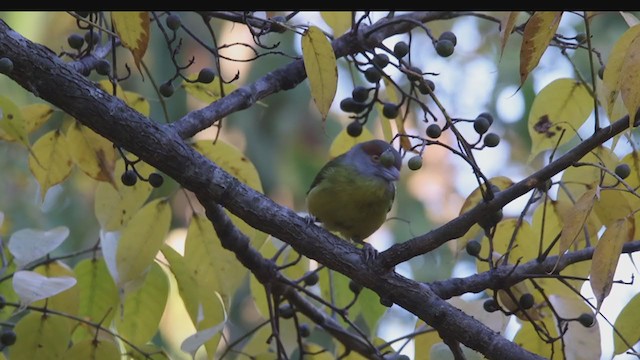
[31, 286]
[99, 298]
[133, 99]
[576, 218]
[115, 205]
[580, 342]
[93, 349]
[40, 336]
[133, 29]
[507, 27]
[186, 279]
[141, 240]
[339, 21]
[629, 18]
[538, 32]
[12, 124]
[143, 308]
[612, 76]
[343, 141]
[35, 115]
[50, 161]
[606, 256]
[206, 92]
[93, 154]
[195, 341]
[626, 326]
[66, 301]
[557, 112]
[28, 245]
[628, 83]
[321, 67]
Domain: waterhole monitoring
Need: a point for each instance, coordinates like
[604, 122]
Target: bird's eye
[375, 158]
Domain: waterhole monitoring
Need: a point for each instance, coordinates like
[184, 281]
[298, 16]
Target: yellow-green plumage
[353, 193]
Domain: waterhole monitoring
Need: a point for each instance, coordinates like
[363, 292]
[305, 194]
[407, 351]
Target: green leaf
[186, 279]
[626, 325]
[40, 336]
[321, 67]
[91, 349]
[99, 295]
[142, 308]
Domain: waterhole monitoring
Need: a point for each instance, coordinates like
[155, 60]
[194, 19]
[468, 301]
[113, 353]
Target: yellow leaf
[93, 349]
[612, 76]
[606, 256]
[339, 21]
[629, 18]
[538, 32]
[231, 159]
[141, 240]
[35, 115]
[628, 83]
[12, 125]
[626, 326]
[559, 109]
[93, 154]
[530, 339]
[612, 205]
[206, 92]
[186, 280]
[507, 27]
[115, 206]
[50, 161]
[343, 141]
[133, 29]
[322, 70]
[40, 336]
[580, 342]
[133, 99]
[576, 218]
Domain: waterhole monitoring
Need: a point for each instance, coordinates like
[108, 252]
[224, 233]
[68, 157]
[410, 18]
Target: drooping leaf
[12, 124]
[557, 112]
[143, 308]
[507, 27]
[339, 21]
[93, 154]
[28, 245]
[40, 336]
[99, 295]
[192, 343]
[321, 67]
[133, 29]
[576, 218]
[343, 141]
[537, 35]
[626, 326]
[141, 240]
[613, 74]
[31, 286]
[187, 280]
[49, 161]
[606, 256]
[628, 83]
[35, 115]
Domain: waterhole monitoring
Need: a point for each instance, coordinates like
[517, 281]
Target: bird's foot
[310, 219]
[370, 253]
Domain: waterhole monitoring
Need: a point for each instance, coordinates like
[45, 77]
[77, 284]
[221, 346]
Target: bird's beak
[392, 173]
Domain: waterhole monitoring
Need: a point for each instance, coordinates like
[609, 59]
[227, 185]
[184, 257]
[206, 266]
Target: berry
[103, 67]
[526, 301]
[355, 287]
[304, 330]
[390, 110]
[173, 22]
[92, 37]
[581, 37]
[372, 75]
[360, 94]
[491, 140]
[311, 278]
[491, 220]
[545, 186]
[426, 83]
[354, 129]
[481, 125]
[381, 60]
[415, 163]
[387, 159]
[8, 337]
[286, 311]
[400, 49]
[414, 73]
[488, 116]
[350, 105]
[473, 247]
[206, 75]
[586, 320]
[490, 305]
[129, 178]
[76, 41]
[166, 89]
[444, 48]
[434, 131]
[448, 35]
[623, 170]
[6, 65]
[155, 180]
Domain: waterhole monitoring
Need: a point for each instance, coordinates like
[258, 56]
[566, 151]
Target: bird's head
[376, 158]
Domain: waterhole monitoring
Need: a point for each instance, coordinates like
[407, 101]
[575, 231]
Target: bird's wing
[329, 166]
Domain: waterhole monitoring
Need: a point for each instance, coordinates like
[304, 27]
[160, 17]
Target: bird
[353, 192]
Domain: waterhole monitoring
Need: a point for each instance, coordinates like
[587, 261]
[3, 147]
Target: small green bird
[353, 192]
